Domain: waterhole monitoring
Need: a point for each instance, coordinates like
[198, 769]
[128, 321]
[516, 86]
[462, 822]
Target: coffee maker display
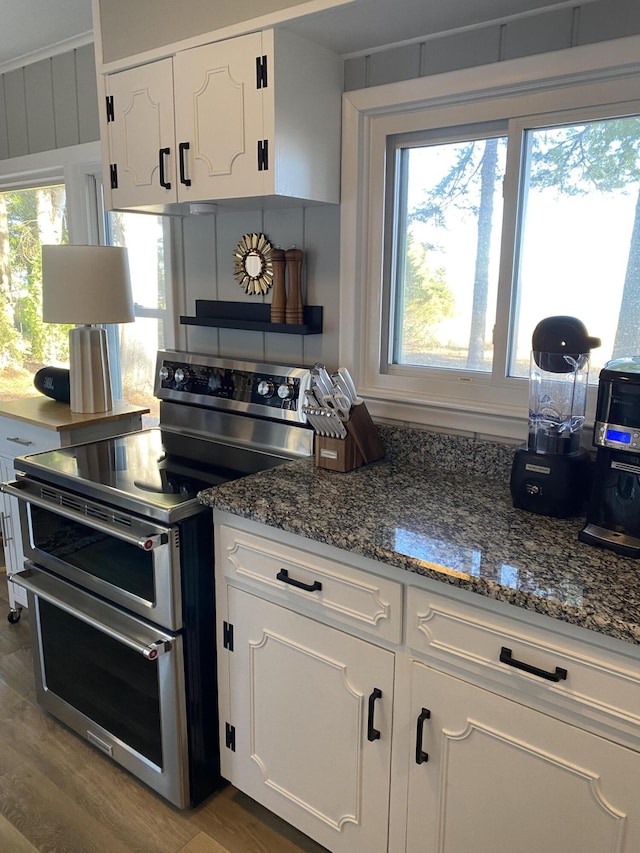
[613, 516]
[551, 472]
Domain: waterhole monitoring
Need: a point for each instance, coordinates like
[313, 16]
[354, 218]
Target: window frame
[587, 82]
[79, 169]
[397, 145]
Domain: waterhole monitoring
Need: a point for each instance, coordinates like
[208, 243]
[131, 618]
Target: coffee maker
[551, 472]
[613, 515]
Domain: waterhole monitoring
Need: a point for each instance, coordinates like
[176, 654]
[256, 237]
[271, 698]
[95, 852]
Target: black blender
[551, 472]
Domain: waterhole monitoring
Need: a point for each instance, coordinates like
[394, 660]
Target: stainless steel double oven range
[119, 569]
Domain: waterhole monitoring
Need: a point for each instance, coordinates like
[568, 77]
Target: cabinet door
[303, 706]
[500, 777]
[219, 123]
[140, 123]
[11, 541]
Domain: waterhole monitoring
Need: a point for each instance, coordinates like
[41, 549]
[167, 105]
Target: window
[41, 197]
[578, 235]
[482, 202]
[29, 217]
[575, 230]
[447, 227]
[136, 344]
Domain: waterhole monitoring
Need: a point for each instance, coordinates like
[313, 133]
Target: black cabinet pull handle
[505, 657]
[373, 734]
[184, 146]
[421, 756]
[283, 575]
[164, 152]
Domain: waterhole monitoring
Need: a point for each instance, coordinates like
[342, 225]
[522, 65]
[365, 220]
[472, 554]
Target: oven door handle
[146, 543]
[104, 618]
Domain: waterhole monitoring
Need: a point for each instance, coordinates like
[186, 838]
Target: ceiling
[31, 28]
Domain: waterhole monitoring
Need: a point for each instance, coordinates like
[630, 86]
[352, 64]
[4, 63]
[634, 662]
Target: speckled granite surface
[440, 506]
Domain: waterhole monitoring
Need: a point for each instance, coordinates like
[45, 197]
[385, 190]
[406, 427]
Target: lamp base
[90, 380]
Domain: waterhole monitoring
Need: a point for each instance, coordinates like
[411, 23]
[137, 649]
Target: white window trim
[62, 165]
[73, 166]
[589, 76]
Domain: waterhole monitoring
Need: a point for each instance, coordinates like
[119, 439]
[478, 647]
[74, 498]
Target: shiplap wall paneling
[209, 244]
[461, 50]
[65, 102]
[391, 66]
[49, 104]
[86, 87]
[16, 113]
[237, 343]
[38, 91]
[322, 239]
[539, 34]
[608, 19]
[286, 228]
[4, 137]
[200, 281]
[355, 73]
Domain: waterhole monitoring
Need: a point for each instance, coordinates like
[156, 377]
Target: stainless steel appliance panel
[130, 561]
[114, 679]
[120, 573]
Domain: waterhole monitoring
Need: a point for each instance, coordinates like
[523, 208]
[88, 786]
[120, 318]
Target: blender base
[551, 484]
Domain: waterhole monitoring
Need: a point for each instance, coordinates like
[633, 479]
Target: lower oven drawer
[114, 679]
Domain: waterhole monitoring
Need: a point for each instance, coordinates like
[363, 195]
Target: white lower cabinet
[308, 732]
[11, 539]
[500, 731]
[492, 776]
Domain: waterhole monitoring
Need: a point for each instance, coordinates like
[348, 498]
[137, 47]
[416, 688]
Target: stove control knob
[285, 391]
[166, 373]
[181, 375]
[265, 388]
[215, 383]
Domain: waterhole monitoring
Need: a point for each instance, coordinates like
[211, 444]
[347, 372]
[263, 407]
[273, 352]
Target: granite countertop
[451, 522]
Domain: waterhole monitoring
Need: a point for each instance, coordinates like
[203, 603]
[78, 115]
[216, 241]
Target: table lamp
[87, 285]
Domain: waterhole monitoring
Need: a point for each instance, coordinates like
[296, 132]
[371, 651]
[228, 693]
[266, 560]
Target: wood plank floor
[60, 795]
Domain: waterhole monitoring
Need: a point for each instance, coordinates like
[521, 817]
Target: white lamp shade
[86, 284]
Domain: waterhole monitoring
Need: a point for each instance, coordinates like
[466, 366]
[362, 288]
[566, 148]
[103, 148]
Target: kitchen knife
[348, 381]
[321, 379]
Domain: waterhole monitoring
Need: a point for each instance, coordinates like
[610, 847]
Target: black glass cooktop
[155, 471]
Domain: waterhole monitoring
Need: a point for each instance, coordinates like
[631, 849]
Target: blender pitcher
[550, 474]
[557, 401]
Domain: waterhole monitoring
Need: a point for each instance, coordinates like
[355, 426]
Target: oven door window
[111, 684]
[106, 558]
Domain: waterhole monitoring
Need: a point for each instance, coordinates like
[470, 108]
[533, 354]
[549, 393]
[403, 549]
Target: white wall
[37, 112]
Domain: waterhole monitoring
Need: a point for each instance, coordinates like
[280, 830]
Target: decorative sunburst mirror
[252, 263]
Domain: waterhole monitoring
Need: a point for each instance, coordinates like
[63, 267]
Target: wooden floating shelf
[254, 318]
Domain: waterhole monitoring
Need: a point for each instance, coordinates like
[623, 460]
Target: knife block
[361, 445]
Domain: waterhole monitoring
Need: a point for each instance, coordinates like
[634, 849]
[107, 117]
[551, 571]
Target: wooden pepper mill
[294, 311]
[279, 293]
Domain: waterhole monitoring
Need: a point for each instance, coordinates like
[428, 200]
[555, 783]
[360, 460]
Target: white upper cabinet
[141, 135]
[221, 94]
[254, 117]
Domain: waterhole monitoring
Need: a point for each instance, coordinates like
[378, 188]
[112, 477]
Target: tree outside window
[578, 243]
[29, 218]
